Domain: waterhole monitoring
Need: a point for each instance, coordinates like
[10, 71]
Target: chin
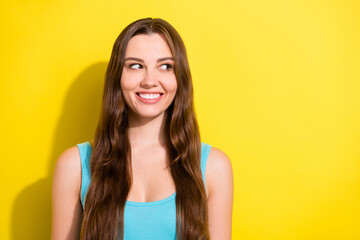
[148, 114]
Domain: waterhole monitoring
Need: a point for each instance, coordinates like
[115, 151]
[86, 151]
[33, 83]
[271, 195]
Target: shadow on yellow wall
[31, 211]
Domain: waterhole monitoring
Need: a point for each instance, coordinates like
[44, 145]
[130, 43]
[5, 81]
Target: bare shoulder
[69, 158]
[219, 171]
[68, 168]
[218, 158]
[219, 179]
[66, 205]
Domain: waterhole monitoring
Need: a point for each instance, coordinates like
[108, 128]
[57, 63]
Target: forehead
[146, 45]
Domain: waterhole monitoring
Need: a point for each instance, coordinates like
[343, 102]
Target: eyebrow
[141, 60]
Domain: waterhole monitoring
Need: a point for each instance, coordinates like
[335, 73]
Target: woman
[146, 175]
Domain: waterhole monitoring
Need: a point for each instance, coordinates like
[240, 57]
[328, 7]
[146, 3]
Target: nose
[149, 80]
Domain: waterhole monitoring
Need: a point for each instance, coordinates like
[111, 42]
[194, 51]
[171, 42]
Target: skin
[147, 71]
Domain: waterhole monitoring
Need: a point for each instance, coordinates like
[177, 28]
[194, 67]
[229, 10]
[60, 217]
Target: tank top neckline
[152, 203]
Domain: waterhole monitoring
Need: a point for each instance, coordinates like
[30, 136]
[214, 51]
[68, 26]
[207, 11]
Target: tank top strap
[85, 154]
[205, 150]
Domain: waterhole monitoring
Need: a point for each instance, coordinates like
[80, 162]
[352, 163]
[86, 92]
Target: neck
[146, 131]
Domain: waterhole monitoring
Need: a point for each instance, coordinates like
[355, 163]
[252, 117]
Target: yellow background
[277, 88]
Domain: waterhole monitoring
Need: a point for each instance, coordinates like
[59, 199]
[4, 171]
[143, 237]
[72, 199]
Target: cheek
[126, 86]
[127, 81]
[171, 86]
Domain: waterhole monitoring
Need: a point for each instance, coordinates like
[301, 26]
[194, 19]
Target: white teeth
[149, 96]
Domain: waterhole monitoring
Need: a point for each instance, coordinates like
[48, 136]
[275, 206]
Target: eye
[135, 66]
[166, 66]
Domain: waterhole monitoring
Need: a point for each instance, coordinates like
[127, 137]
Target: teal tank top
[142, 220]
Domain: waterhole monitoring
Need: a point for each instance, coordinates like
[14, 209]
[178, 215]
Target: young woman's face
[148, 79]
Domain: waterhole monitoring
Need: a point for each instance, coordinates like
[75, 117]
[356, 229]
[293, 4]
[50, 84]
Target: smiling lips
[149, 97]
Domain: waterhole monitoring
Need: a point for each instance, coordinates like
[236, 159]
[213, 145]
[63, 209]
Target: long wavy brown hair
[111, 174]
